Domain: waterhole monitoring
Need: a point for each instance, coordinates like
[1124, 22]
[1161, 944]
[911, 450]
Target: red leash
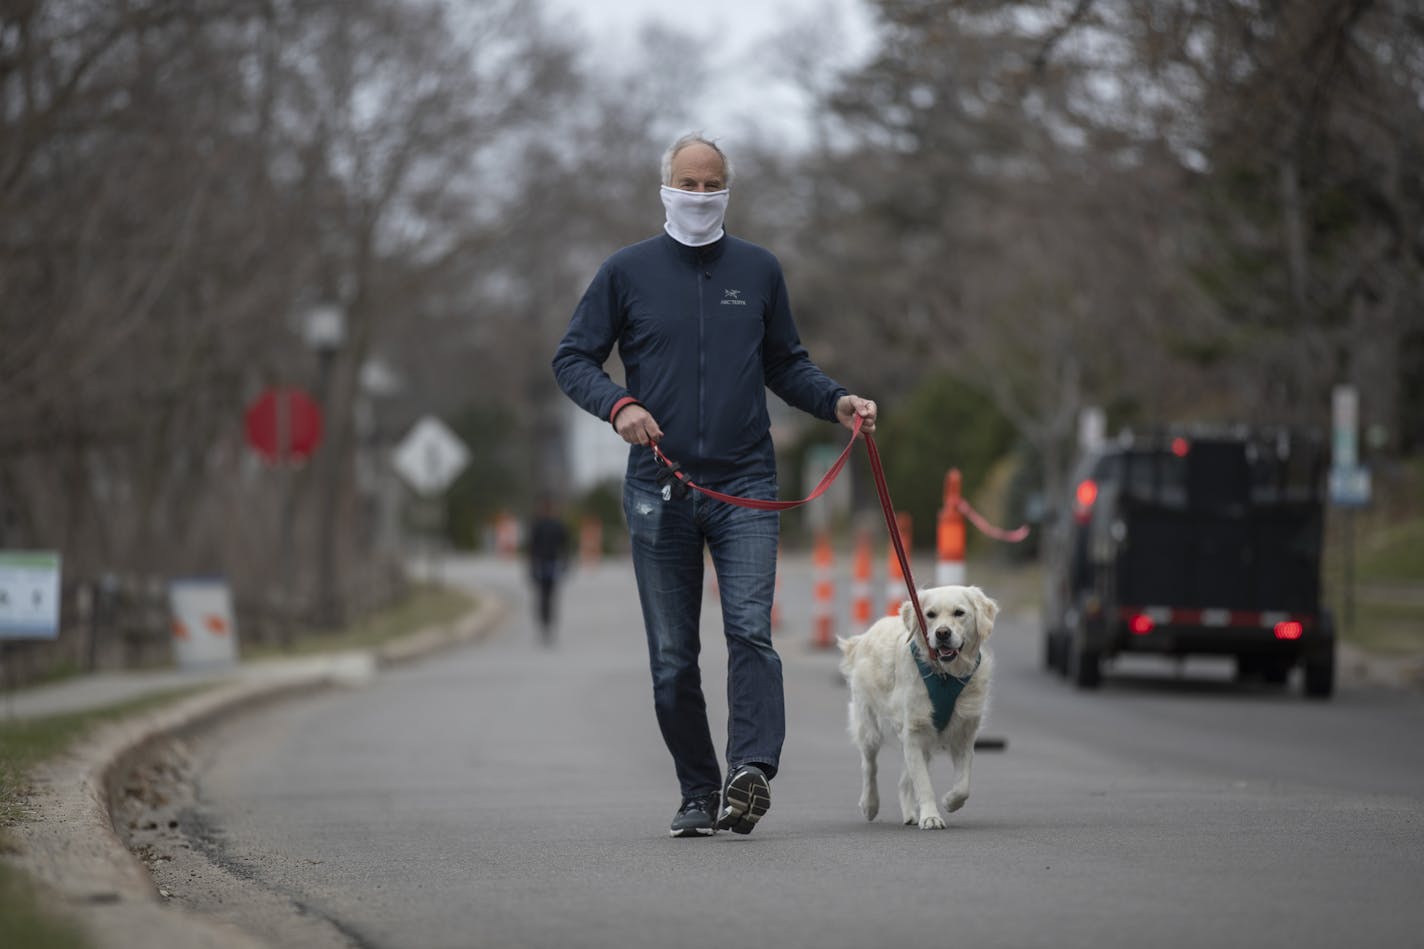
[881, 488]
[757, 503]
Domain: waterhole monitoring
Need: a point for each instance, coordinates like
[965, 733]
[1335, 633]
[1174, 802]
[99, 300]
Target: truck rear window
[1209, 475]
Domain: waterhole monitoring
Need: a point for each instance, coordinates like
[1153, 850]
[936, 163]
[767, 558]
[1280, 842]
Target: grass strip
[25, 922]
[1379, 626]
[427, 605]
[24, 744]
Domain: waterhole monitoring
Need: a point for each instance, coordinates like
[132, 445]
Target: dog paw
[932, 822]
[954, 800]
[870, 805]
[909, 813]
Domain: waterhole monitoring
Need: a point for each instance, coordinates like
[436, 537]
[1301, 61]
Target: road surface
[505, 795]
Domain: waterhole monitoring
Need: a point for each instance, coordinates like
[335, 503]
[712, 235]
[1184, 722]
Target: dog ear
[986, 608]
[907, 616]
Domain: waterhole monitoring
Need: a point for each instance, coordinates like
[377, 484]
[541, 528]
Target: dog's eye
[930, 615]
[959, 611]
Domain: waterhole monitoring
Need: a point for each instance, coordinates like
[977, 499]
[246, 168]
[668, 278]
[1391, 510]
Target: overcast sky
[734, 31]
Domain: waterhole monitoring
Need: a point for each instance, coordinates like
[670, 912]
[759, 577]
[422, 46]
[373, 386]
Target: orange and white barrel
[860, 606]
[895, 592]
[949, 540]
[823, 605]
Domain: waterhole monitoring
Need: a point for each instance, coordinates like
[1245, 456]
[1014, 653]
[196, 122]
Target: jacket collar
[696, 256]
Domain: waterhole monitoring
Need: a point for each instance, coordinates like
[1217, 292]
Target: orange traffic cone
[860, 609]
[823, 609]
[590, 541]
[506, 534]
[949, 543]
[894, 577]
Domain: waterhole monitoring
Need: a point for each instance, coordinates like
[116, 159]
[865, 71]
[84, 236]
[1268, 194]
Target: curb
[69, 845]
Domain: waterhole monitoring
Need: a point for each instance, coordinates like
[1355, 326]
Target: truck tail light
[1289, 629]
[1083, 500]
[1140, 624]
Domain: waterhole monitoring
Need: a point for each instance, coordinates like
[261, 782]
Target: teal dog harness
[944, 688]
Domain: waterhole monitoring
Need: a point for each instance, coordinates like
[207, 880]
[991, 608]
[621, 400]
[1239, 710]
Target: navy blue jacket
[703, 332]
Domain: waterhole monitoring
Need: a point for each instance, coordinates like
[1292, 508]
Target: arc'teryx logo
[733, 298]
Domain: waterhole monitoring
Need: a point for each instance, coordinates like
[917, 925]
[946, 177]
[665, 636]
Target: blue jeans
[668, 542]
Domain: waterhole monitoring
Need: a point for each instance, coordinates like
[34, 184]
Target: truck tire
[1086, 669]
[1320, 661]
[1058, 652]
[1320, 676]
[1084, 666]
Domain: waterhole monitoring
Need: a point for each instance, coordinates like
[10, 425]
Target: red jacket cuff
[618, 406]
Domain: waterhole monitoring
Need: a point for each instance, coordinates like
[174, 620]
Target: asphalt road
[504, 795]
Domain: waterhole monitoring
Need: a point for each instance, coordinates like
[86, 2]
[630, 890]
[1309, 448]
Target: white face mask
[694, 218]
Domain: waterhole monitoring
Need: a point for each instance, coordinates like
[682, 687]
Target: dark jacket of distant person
[548, 548]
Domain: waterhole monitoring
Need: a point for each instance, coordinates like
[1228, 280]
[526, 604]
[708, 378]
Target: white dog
[888, 667]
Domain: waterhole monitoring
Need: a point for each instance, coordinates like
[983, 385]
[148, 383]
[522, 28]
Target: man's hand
[849, 406]
[636, 425]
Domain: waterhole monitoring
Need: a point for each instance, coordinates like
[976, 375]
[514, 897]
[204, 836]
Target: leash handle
[757, 503]
[888, 507]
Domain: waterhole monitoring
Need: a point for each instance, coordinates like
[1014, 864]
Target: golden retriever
[887, 686]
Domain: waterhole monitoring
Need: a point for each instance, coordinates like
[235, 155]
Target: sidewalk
[84, 693]
[87, 692]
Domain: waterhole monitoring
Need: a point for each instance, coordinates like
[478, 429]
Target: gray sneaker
[745, 799]
[695, 818]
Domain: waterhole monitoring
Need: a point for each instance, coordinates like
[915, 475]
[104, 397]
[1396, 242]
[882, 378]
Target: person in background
[703, 327]
[548, 551]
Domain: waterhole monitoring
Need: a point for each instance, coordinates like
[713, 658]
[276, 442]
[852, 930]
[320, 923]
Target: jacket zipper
[699, 276]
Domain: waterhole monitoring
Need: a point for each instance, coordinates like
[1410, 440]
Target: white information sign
[1350, 487]
[29, 594]
[1349, 480]
[1092, 428]
[430, 457]
[1345, 427]
[204, 627]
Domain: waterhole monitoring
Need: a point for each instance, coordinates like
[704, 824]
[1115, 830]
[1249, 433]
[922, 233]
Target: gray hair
[695, 138]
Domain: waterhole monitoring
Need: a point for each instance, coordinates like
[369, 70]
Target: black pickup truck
[1195, 541]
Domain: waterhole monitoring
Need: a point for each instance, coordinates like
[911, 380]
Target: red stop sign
[264, 421]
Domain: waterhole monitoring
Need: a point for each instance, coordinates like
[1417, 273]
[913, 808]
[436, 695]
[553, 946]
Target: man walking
[548, 557]
[703, 327]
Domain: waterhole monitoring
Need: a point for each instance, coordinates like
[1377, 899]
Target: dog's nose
[943, 634]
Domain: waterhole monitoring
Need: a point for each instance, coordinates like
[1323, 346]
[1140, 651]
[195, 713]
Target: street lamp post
[377, 383]
[325, 335]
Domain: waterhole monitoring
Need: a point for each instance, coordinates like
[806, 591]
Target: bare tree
[178, 182]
